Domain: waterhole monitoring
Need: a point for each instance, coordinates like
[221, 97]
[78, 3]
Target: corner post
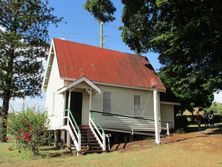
[104, 141]
[90, 103]
[79, 142]
[90, 99]
[69, 101]
[156, 108]
[62, 139]
[68, 140]
[56, 138]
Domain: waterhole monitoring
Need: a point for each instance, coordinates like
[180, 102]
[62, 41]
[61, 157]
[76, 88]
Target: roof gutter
[116, 85]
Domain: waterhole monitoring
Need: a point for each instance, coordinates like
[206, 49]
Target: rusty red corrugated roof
[103, 65]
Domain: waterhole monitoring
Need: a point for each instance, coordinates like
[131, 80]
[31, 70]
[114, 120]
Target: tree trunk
[6, 96]
[4, 116]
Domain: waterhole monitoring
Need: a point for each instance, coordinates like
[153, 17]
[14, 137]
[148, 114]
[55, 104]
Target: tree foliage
[102, 10]
[191, 45]
[187, 87]
[23, 44]
[139, 20]
[187, 34]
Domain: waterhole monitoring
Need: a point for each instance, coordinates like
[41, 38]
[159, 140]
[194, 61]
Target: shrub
[28, 127]
[216, 108]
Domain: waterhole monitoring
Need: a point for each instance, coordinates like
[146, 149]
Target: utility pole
[101, 34]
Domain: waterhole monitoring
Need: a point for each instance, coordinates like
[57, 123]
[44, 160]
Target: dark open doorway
[75, 105]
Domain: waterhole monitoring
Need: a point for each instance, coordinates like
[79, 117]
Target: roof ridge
[97, 47]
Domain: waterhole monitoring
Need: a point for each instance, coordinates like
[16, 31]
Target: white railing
[168, 129]
[98, 132]
[73, 130]
[127, 123]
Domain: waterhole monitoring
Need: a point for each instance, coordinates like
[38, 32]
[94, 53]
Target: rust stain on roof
[104, 65]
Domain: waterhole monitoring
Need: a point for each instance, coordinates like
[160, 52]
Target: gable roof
[79, 81]
[101, 65]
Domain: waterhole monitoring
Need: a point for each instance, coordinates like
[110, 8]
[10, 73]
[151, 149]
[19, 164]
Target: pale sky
[218, 97]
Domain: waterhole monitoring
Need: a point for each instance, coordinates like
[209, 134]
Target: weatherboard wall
[54, 101]
[122, 102]
[167, 114]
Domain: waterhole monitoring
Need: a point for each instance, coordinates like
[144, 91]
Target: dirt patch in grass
[180, 137]
[133, 146]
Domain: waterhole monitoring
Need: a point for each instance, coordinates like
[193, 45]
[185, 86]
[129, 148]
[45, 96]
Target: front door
[76, 106]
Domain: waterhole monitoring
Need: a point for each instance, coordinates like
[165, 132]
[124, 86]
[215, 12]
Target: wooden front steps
[89, 143]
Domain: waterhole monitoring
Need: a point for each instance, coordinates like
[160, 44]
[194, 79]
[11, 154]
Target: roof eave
[48, 67]
[170, 103]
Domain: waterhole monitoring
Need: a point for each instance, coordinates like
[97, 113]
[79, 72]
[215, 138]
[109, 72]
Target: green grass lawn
[13, 156]
[198, 151]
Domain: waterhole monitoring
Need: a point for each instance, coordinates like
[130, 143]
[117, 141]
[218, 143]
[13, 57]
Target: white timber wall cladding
[56, 112]
[122, 102]
[167, 114]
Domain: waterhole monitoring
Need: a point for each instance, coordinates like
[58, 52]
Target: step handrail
[96, 127]
[72, 126]
[74, 121]
[98, 124]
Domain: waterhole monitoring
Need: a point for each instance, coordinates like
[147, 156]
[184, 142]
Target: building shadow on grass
[49, 148]
[217, 129]
[52, 152]
[59, 154]
[214, 131]
[190, 134]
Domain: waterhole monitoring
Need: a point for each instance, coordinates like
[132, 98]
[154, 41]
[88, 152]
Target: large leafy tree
[23, 44]
[188, 36]
[187, 86]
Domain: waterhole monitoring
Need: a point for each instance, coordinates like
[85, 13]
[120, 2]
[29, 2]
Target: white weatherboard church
[92, 92]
